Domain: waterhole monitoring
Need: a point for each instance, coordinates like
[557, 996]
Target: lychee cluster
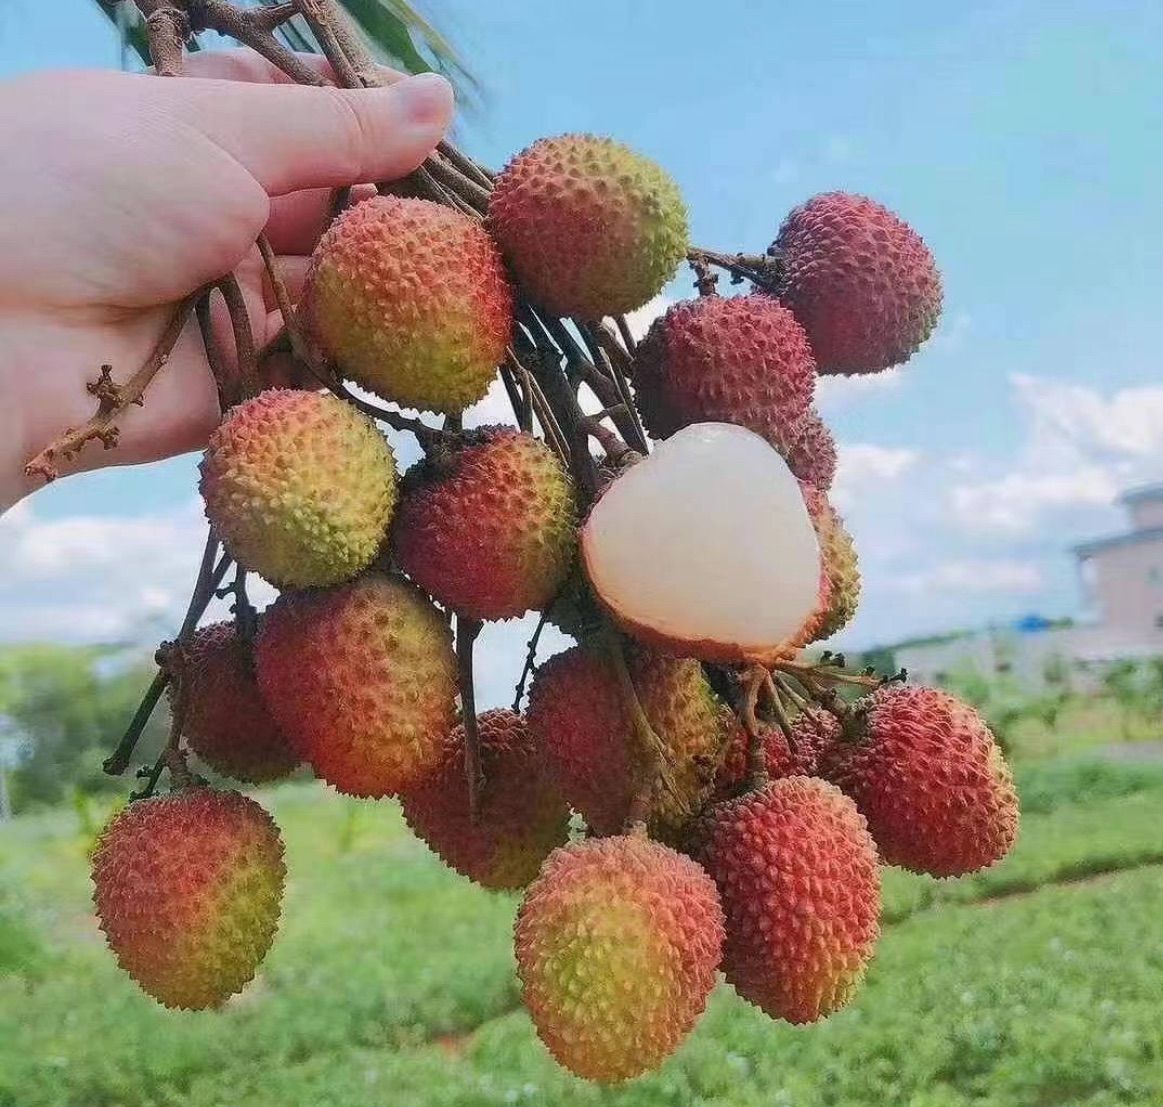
[685, 793]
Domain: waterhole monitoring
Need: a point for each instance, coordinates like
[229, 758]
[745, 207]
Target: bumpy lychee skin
[932, 782]
[188, 889]
[488, 528]
[617, 944]
[300, 487]
[522, 814]
[362, 679]
[740, 359]
[812, 732]
[411, 300]
[578, 712]
[800, 887]
[590, 227]
[860, 280]
[226, 722]
[840, 582]
[811, 451]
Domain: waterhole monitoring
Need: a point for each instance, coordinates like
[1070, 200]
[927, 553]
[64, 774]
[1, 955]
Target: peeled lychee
[590, 227]
[522, 814]
[810, 451]
[579, 713]
[488, 527]
[931, 780]
[717, 359]
[617, 944]
[800, 887]
[796, 754]
[860, 280]
[362, 679]
[839, 595]
[411, 300]
[225, 720]
[705, 548]
[299, 486]
[188, 889]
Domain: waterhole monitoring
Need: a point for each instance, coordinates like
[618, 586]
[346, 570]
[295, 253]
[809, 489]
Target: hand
[122, 194]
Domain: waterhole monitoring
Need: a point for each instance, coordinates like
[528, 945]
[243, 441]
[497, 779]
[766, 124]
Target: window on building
[1004, 666]
[1159, 621]
[1154, 576]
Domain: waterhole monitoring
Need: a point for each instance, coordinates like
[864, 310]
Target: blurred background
[1005, 490]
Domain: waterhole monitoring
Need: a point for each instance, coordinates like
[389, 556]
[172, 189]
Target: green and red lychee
[362, 679]
[225, 720]
[840, 581]
[590, 227]
[738, 359]
[299, 486]
[932, 782]
[410, 299]
[488, 526]
[617, 944]
[579, 712]
[860, 280]
[799, 882]
[188, 889]
[522, 814]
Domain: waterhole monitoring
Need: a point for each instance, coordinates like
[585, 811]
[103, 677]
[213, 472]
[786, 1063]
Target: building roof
[1131, 538]
[1142, 494]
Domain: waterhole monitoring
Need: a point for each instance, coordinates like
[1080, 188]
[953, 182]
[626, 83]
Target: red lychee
[800, 887]
[931, 780]
[860, 281]
[741, 359]
[488, 527]
[522, 815]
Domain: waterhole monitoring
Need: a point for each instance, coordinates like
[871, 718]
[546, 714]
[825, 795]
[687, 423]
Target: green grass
[1086, 723]
[391, 982]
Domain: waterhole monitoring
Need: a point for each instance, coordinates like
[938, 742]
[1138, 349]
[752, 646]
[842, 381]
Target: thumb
[292, 137]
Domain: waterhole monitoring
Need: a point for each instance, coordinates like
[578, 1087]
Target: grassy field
[1038, 983]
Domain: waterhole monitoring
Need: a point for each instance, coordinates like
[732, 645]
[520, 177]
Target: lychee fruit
[705, 548]
[522, 814]
[411, 300]
[590, 227]
[931, 780]
[617, 944]
[797, 875]
[225, 720]
[579, 713]
[739, 359]
[489, 526]
[840, 581]
[860, 280]
[810, 451]
[188, 889]
[574, 611]
[795, 754]
[299, 486]
[362, 679]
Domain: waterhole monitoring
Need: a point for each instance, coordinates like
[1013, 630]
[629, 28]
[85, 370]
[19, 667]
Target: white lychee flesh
[706, 548]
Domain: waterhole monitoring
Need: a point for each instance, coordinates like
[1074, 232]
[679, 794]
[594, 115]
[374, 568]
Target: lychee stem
[753, 680]
[466, 635]
[530, 658]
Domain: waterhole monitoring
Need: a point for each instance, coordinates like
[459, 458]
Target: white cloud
[836, 390]
[863, 466]
[970, 576]
[1083, 448]
[639, 319]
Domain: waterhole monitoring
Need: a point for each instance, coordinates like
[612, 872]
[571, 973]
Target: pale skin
[122, 194]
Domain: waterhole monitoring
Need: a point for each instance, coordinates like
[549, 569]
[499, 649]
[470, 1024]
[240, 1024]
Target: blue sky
[1024, 141]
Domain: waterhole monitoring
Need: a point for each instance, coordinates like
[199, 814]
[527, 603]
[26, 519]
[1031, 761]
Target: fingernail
[425, 99]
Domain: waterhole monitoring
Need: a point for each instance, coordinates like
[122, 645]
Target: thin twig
[243, 338]
[530, 659]
[167, 25]
[466, 635]
[466, 165]
[219, 368]
[628, 339]
[113, 399]
[763, 270]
